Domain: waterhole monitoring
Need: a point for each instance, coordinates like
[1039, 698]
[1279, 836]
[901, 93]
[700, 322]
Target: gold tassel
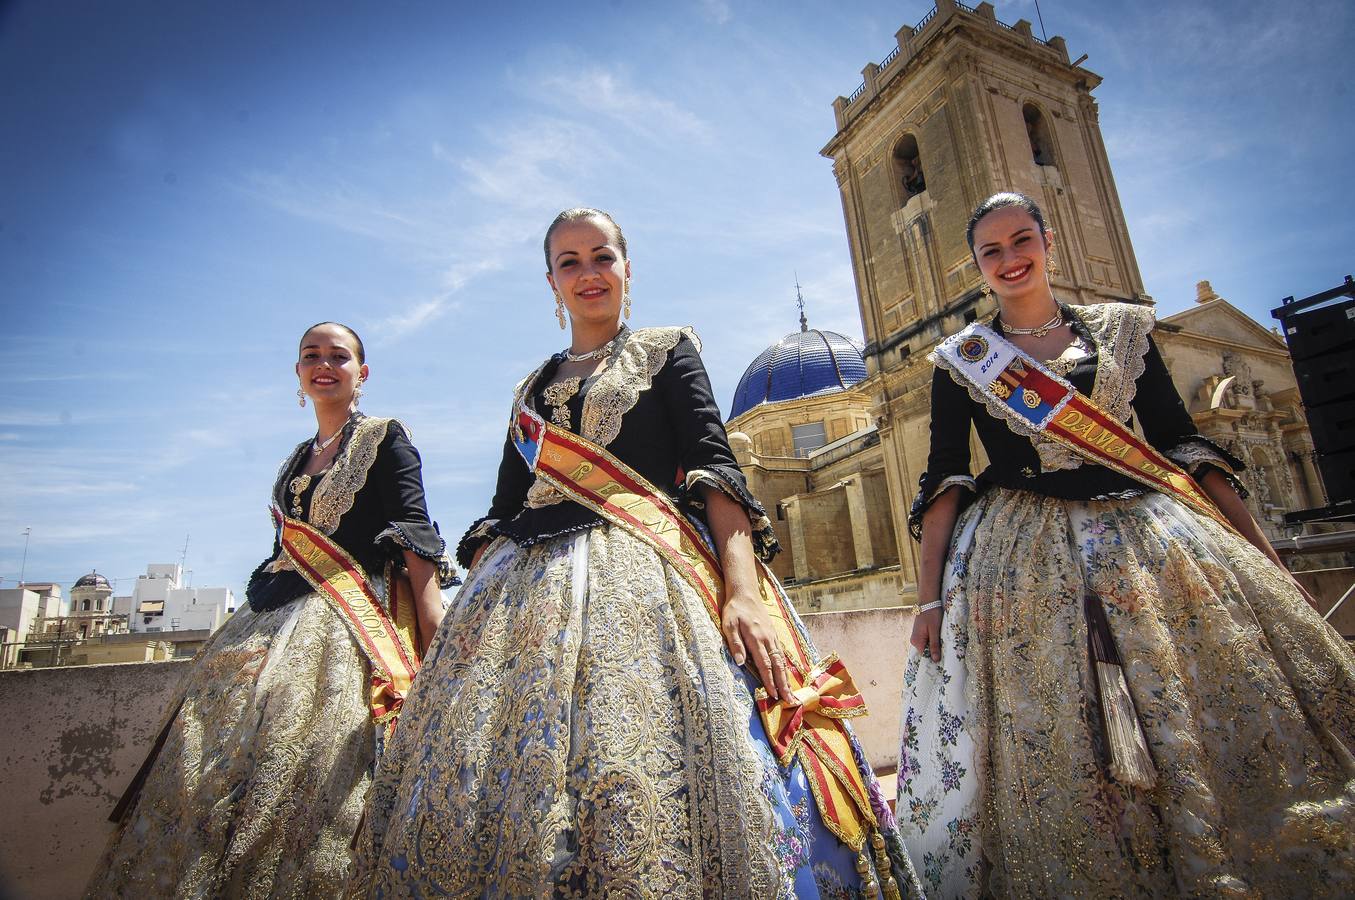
[1131, 762]
[884, 868]
[869, 886]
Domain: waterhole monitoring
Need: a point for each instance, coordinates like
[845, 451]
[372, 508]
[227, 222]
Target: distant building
[801, 431]
[160, 602]
[20, 608]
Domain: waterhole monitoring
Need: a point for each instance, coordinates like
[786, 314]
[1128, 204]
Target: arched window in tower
[1037, 130]
[908, 168]
[84, 606]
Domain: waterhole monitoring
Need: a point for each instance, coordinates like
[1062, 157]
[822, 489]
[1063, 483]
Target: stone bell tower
[963, 107]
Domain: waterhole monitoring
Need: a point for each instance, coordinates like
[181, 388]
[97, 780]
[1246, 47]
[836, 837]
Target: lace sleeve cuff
[423, 540]
[481, 531]
[729, 481]
[1198, 454]
[929, 490]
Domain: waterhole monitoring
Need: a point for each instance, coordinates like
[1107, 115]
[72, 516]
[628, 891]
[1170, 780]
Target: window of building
[1037, 130]
[908, 168]
[808, 437]
[99, 605]
[84, 606]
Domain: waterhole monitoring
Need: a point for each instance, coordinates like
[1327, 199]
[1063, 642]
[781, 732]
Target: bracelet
[928, 607]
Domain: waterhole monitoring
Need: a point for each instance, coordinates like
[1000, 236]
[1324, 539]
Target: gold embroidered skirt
[579, 730]
[258, 788]
[1246, 698]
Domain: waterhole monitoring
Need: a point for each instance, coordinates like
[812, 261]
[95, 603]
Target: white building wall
[18, 608]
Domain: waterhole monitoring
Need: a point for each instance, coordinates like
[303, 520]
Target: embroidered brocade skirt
[579, 730]
[258, 788]
[1246, 697]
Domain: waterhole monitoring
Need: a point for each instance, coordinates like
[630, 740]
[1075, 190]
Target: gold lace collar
[346, 475]
[629, 372]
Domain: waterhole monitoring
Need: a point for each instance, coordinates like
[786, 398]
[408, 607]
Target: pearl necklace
[598, 353]
[1039, 330]
[318, 446]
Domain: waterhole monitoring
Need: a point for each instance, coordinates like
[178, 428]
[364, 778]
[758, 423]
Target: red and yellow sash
[1037, 401]
[387, 640]
[813, 731]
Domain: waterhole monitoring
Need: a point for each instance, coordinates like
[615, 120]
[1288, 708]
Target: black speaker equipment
[1320, 331]
[1338, 475]
[1333, 426]
[1328, 378]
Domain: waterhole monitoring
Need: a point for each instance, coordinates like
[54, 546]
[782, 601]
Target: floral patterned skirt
[579, 730]
[258, 788]
[1246, 698]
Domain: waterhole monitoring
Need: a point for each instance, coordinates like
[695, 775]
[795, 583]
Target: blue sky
[185, 186]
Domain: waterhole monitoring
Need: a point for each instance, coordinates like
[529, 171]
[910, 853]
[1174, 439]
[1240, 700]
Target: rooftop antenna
[183, 557]
[800, 301]
[1043, 36]
[23, 567]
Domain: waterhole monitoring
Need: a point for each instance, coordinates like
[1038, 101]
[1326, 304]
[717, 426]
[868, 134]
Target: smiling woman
[257, 781]
[1115, 689]
[621, 701]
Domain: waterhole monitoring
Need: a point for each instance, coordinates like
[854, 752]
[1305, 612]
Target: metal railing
[925, 19]
[890, 58]
[856, 94]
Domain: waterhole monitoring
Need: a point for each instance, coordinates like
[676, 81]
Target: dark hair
[362, 352]
[574, 215]
[1002, 201]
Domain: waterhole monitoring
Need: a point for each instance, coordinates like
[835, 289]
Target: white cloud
[640, 112]
[717, 11]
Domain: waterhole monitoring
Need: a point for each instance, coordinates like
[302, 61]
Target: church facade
[963, 107]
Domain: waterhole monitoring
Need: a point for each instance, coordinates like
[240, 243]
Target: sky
[184, 187]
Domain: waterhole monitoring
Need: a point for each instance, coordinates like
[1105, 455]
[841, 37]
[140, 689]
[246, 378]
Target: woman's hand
[749, 633]
[927, 634]
[744, 622]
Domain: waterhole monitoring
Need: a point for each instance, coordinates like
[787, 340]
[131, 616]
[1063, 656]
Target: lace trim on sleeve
[765, 543]
[925, 499]
[480, 531]
[1198, 454]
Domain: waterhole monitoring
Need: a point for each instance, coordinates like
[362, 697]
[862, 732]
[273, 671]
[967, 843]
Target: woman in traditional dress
[586, 723]
[1116, 689]
[256, 785]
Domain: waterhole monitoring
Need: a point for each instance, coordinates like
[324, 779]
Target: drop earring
[1051, 266]
[300, 398]
[987, 291]
[560, 310]
[357, 394]
[625, 298]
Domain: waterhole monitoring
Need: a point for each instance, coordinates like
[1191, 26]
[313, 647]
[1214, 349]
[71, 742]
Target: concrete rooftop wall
[73, 738]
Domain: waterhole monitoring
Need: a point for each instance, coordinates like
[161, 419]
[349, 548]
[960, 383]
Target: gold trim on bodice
[346, 475]
[1120, 331]
[629, 372]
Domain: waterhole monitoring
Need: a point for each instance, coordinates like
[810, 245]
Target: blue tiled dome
[804, 363]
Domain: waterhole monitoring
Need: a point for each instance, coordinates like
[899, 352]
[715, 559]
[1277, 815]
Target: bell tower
[963, 107]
